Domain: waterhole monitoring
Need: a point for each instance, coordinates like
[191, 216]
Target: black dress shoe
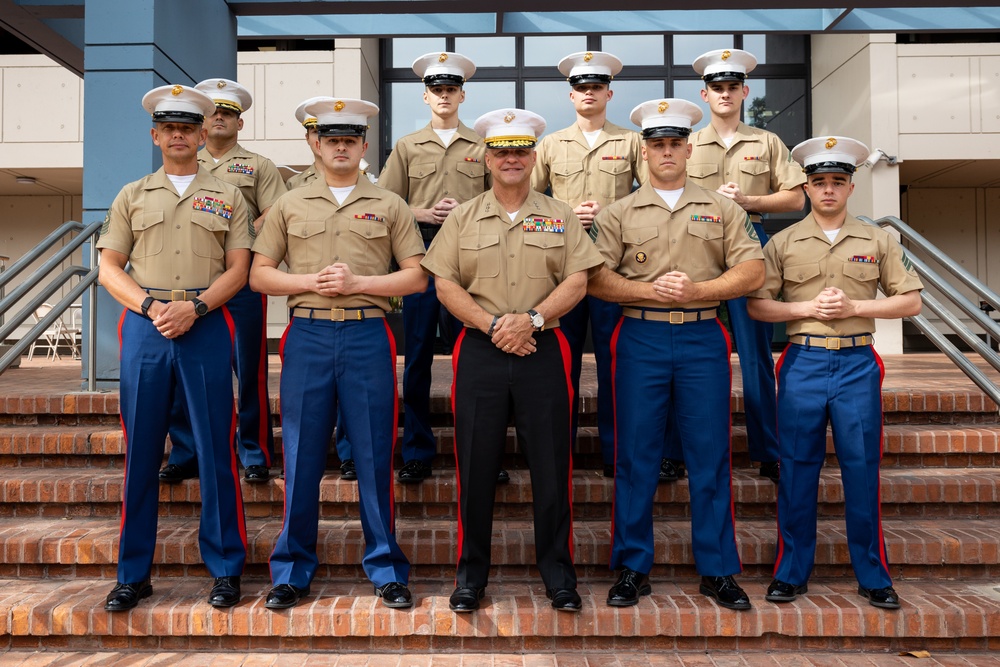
[771, 470]
[884, 598]
[564, 599]
[414, 472]
[257, 474]
[503, 477]
[175, 474]
[671, 470]
[225, 592]
[285, 596]
[348, 471]
[395, 595]
[465, 599]
[631, 585]
[725, 591]
[126, 596]
[780, 591]
[609, 470]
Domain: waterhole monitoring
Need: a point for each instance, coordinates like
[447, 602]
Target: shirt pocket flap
[800, 273]
[861, 270]
[639, 235]
[567, 168]
[478, 242]
[543, 240]
[306, 228]
[210, 221]
[614, 166]
[754, 167]
[147, 220]
[702, 170]
[705, 230]
[368, 228]
[422, 170]
[471, 169]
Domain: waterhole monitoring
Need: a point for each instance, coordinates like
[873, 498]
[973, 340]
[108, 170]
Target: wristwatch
[146, 303]
[200, 307]
[537, 320]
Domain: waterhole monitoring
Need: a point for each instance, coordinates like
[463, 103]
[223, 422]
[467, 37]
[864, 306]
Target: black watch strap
[146, 303]
[200, 307]
[493, 325]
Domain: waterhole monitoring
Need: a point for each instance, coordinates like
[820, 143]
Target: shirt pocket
[755, 177]
[543, 254]
[862, 279]
[616, 177]
[639, 243]
[472, 181]
[565, 175]
[306, 244]
[370, 247]
[147, 232]
[800, 273]
[208, 234]
[479, 256]
[421, 170]
[702, 172]
[705, 250]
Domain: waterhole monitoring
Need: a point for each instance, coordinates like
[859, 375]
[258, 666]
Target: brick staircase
[61, 454]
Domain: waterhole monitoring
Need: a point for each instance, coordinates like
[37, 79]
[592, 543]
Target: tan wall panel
[286, 86]
[934, 95]
[992, 264]
[245, 75]
[989, 89]
[29, 115]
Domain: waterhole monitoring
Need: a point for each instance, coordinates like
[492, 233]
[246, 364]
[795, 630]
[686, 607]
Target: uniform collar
[576, 134]
[427, 134]
[810, 229]
[489, 207]
[693, 194]
[709, 135]
[203, 180]
[234, 152]
[363, 189]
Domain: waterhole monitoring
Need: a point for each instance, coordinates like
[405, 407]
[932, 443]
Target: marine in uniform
[752, 167]
[827, 270]
[305, 177]
[261, 184]
[673, 250]
[509, 263]
[434, 169]
[338, 237]
[187, 236]
[588, 165]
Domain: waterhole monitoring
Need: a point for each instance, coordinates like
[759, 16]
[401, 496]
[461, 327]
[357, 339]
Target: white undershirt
[729, 141]
[831, 234]
[670, 197]
[514, 214]
[215, 158]
[340, 194]
[181, 183]
[591, 137]
[447, 135]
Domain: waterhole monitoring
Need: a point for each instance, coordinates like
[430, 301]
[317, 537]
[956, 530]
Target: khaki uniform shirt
[800, 261]
[505, 268]
[423, 171]
[256, 176]
[579, 173]
[309, 230]
[757, 160]
[304, 177]
[706, 234]
[177, 242]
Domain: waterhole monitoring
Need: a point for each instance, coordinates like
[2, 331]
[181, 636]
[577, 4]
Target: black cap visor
[577, 79]
[444, 80]
[830, 168]
[342, 130]
[665, 131]
[178, 117]
[724, 76]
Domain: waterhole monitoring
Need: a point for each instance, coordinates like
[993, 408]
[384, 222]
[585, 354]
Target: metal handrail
[947, 317]
[87, 283]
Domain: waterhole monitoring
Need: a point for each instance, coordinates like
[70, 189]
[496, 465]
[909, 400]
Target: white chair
[74, 333]
[52, 337]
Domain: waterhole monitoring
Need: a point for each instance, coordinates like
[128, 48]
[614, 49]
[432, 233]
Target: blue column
[132, 46]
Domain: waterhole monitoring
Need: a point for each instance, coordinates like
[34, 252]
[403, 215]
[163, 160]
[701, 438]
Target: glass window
[690, 90]
[487, 51]
[409, 113]
[628, 95]
[483, 96]
[406, 50]
[635, 49]
[549, 50]
[778, 105]
[550, 100]
[689, 47]
[776, 49]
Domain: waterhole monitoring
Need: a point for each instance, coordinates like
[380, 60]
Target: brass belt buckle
[679, 319]
[833, 343]
[337, 314]
[178, 295]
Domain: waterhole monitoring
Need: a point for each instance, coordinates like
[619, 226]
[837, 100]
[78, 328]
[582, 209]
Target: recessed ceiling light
[26, 180]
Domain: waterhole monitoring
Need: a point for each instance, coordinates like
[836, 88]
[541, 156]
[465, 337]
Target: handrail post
[3, 267]
[92, 321]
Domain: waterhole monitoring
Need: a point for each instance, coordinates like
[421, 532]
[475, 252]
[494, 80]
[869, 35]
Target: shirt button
[177, 252]
[446, 192]
[177, 277]
[831, 275]
[588, 172]
[178, 226]
[513, 282]
[336, 258]
[336, 233]
[512, 255]
[673, 240]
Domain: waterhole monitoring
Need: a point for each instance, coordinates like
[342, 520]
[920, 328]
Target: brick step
[949, 544]
[906, 493]
[291, 658]
[99, 445]
[345, 617]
